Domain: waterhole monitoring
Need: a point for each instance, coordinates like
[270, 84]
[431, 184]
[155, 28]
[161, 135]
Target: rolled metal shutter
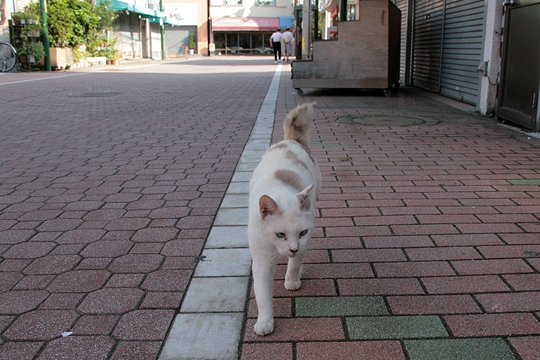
[428, 35]
[447, 48]
[176, 39]
[462, 49]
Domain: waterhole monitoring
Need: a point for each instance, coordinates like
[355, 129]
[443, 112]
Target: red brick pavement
[424, 216]
[109, 183]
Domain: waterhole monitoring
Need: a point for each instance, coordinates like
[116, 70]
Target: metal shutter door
[176, 39]
[403, 6]
[462, 49]
[428, 30]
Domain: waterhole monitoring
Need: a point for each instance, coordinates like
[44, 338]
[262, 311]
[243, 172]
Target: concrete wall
[155, 43]
[491, 57]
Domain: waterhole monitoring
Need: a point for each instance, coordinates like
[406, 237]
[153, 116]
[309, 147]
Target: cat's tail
[297, 122]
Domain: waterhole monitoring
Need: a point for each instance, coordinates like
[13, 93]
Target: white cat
[282, 195]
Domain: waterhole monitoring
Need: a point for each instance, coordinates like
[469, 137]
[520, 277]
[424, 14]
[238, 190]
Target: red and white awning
[244, 24]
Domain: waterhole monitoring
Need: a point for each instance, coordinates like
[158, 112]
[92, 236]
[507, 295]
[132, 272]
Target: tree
[72, 23]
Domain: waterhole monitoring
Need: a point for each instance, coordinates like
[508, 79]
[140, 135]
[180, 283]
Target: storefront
[234, 35]
[136, 29]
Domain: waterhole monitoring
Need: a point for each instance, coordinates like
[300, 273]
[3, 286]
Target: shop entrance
[242, 43]
[520, 81]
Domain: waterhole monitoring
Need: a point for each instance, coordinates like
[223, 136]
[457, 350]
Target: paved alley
[118, 185]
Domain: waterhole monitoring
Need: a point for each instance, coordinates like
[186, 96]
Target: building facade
[461, 49]
[245, 26]
[455, 48]
[185, 19]
[224, 27]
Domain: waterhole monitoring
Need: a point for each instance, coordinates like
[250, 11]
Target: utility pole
[44, 25]
[162, 30]
[306, 29]
[208, 25]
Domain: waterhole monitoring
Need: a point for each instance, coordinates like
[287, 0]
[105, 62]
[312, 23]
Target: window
[232, 41]
[225, 2]
[244, 42]
[219, 40]
[265, 2]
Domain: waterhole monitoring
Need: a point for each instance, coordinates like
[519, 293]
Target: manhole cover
[381, 120]
[97, 94]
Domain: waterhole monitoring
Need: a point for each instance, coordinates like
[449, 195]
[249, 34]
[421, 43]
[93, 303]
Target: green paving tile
[462, 349]
[340, 306]
[525, 182]
[396, 327]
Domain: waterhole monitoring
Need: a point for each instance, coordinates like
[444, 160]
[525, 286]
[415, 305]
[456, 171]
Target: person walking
[287, 39]
[275, 43]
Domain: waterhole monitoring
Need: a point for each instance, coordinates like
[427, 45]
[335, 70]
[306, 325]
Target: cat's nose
[294, 251]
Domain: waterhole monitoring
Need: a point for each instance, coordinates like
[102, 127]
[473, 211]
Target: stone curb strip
[211, 317]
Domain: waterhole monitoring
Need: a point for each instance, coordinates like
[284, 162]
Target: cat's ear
[267, 206]
[303, 197]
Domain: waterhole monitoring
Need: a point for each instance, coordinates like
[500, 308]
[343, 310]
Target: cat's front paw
[293, 285]
[264, 327]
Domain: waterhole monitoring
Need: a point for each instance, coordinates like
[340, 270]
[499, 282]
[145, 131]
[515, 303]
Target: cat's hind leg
[294, 272]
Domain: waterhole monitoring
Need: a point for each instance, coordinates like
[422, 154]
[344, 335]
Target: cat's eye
[280, 235]
[302, 233]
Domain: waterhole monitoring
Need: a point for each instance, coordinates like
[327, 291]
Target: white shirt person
[287, 40]
[275, 43]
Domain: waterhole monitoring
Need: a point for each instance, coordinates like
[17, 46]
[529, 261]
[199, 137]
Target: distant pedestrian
[275, 43]
[287, 39]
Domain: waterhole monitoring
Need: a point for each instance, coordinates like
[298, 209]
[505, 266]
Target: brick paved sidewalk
[427, 243]
[428, 236]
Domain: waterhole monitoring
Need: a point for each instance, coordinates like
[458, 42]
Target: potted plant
[16, 17]
[192, 43]
[31, 52]
[35, 52]
[32, 30]
[112, 53]
[112, 56]
[32, 18]
[30, 15]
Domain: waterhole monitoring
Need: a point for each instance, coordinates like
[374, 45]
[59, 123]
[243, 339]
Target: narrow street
[122, 187]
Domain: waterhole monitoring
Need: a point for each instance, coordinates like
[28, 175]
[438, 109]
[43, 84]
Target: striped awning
[244, 24]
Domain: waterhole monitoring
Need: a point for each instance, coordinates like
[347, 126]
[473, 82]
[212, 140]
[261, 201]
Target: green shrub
[34, 49]
[72, 23]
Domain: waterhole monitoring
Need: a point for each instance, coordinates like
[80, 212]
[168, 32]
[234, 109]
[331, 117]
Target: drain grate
[382, 120]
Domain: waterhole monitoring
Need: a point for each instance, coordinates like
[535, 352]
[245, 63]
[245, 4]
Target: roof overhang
[129, 5]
